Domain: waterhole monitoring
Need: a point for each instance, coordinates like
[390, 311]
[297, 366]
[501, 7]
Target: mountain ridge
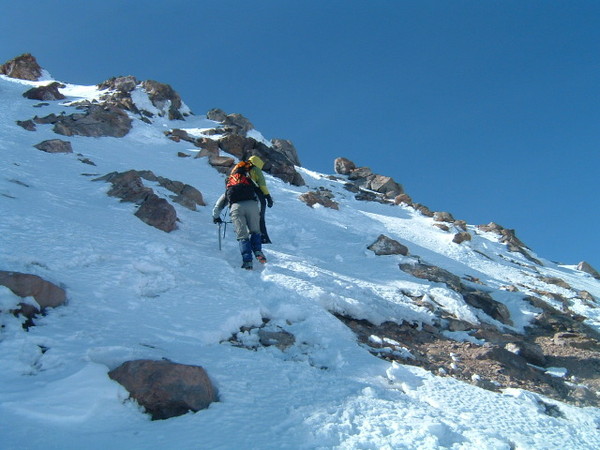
[418, 315]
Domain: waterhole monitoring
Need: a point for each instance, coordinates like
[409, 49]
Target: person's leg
[238, 217]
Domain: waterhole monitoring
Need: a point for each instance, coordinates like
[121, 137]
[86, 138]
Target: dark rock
[287, 148]
[403, 199]
[509, 238]
[423, 209]
[29, 125]
[158, 212]
[216, 114]
[385, 185]
[55, 146]
[484, 301]
[360, 174]
[323, 198]
[280, 338]
[222, 163]
[343, 166]
[96, 122]
[461, 237]
[161, 95]
[387, 246]
[45, 93]
[434, 274]
[166, 389]
[127, 186]
[23, 67]
[237, 145]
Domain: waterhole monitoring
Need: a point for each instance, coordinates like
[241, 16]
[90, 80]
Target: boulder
[55, 146]
[385, 185]
[121, 84]
[286, 148]
[461, 237]
[166, 389]
[45, 293]
[434, 274]
[45, 93]
[278, 338]
[222, 163]
[403, 199]
[128, 186]
[216, 114]
[23, 67]
[343, 166]
[387, 246]
[29, 125]
[158, 212]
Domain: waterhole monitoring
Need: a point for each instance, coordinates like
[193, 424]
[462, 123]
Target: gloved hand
[217, 220]
[269, 200]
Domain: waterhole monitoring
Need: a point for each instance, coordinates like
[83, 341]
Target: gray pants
[245, 216]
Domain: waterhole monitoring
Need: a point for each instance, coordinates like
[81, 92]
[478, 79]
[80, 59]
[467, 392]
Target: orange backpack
[239, 184]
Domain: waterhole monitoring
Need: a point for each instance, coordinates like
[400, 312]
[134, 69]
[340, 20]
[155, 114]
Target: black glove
[269, 200]
[217, 220]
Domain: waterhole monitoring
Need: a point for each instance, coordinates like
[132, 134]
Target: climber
[241, 195]
[264, 197]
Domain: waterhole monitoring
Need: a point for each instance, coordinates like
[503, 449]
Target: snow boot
[246, 250]
[247, 265]
[260, 256]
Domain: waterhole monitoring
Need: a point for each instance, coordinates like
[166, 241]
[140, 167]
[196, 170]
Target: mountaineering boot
[260, 256]
[246, 250]
[256, 243]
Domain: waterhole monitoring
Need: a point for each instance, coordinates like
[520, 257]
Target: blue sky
[487, 109]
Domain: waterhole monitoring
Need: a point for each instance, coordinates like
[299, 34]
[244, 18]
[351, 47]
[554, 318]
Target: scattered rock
[387, 246]
[461, 237]
[166, 389]
[321, 197]
[45, 93]
[158, 212]
[55, 146]
[403, 199]
[29, 125]
[509, 238]
[23, 67]
[443, 217]
[279, 338]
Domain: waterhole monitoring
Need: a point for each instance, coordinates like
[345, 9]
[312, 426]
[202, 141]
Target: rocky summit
[377, 322]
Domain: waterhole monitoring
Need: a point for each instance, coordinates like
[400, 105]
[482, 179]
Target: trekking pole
[219, 235]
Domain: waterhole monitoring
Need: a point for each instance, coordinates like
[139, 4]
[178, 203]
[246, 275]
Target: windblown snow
[136, 292]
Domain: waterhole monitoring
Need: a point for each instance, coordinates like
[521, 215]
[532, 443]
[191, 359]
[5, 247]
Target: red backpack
[239, 184]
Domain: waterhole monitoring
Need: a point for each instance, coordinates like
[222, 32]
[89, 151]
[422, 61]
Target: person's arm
[221, 203]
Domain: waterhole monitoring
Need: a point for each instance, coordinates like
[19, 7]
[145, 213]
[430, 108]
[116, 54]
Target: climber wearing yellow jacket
[264, 195]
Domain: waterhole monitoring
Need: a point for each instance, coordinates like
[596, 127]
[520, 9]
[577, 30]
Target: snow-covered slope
[137, 292]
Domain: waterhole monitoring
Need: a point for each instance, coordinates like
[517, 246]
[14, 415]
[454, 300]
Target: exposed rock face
[387, 246]
[55, 146]
[45, 293]
[363, 179]
[97, 121]
[476, 298]
[24, 67]
[509, 238]
[287, 148]
[166, 389]
[585, 267]
[45, 93]
[322, 197]
[164, 98]
[233, 123]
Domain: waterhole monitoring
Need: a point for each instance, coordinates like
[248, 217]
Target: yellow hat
[255, 160]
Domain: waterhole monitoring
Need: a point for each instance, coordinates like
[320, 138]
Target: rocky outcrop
[287, 149]
[164, 98]
[55, 146]
[362, 180]
[587, 268]
[323, 197]
[46, 294]
[153, 210]
[24, 67]
[166, 389]
[509, 238]
[461, 237]
[45, 93]
[473, 297]
[97, 121]
[232, 123]
[387, 246]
